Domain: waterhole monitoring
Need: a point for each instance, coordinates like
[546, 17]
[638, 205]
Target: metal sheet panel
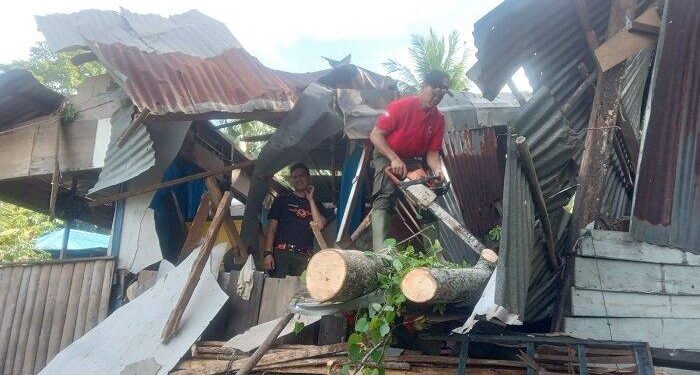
[472, 162]
[667, 203]
[23, 98]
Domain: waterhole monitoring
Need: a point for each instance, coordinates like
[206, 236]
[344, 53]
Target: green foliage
[19, 228]
[495, 233]
[374, 324]
[248, 129]
[55, 70]
[430, 52]
[68, 114]
[298, 327]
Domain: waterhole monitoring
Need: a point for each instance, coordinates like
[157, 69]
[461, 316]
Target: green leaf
[377, 355]
[374, 371]
[354, 339]
[376, 306]
[345, 370]
[298, 327]
[400, 298]
[361, 325]
[354, 353]
[390, 316]
[390, 242]
[384, 329]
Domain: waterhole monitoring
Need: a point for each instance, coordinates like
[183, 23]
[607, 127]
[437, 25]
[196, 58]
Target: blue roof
[77, 240]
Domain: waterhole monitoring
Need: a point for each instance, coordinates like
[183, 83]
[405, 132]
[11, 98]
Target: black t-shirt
[293, 214]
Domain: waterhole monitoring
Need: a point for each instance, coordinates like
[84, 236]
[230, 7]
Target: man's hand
[310, 192]
[398, 168]
[438, 174]
[269, 262]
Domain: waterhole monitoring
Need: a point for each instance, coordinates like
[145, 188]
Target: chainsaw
[422, 191]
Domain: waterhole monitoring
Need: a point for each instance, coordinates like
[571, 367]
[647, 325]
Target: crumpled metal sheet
[634, 82]
[192, 32]
[313, 120]
[517, 238]
[667, 203]
[23, 98]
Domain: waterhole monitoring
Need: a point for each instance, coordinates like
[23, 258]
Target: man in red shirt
[407, 135]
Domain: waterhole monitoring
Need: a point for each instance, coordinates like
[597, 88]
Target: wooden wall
[627, 290]
[46, 306]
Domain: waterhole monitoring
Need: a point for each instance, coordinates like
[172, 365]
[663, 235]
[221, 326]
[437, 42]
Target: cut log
[341, 275]
[434, 285]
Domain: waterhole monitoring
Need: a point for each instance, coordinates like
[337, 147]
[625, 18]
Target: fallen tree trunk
[341, 275]
[435, 285]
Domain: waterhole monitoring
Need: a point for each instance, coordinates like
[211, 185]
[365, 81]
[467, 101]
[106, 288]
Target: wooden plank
[16, 152]
[37, 318]
[658, 332]
[626, 43]
[106, 291]
[275, 297]
[47, 318]
[680, 359]
[196, 232]
[172, 325]
[26, 320]
[5, 276]
[620, 245]
[76, 285]
[243, 314]
[17, 321]
[84, 300]
[586, 302]
[624, 276]
[9, 313]
[175, 182]
[234, 238]
[59, 310]
[98, 274]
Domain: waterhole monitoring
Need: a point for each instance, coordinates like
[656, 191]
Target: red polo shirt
[411, 130]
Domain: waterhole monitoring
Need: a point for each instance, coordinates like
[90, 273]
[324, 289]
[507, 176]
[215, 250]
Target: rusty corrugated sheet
[176, 83]
[22, 98]
[185, 65]
[667, 197]
[472, 161]
[44, 307]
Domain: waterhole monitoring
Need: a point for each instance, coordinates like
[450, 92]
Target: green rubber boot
[380, 228]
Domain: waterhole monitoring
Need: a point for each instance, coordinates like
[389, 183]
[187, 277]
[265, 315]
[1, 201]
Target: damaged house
[591, 179]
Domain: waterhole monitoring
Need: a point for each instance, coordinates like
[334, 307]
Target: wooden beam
[167, 184]
[178, 210]
[600, 130]
[132, 127]
[643, 28]
[538, 199]
[319, 236]
[585, 23]
[257, 138]
[676, 358]
[172, 325]
[231, 231]
[56, 175]
[516, 92]
[265, 346]
[624, 44]
[194, 235]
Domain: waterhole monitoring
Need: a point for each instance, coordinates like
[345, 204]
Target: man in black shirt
[289, 240]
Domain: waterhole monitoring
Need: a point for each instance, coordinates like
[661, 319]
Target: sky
[285, 35]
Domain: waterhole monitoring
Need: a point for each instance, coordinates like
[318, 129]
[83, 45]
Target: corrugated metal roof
[517, 237]
[135, 157]
[23, 98]
[667, 203]
[77, 240]
[634, 83]
[176, 83]
[191, 33]
[472, 161]
[186, 65]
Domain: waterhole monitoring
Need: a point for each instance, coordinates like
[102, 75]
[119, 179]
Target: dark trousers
[288, 263]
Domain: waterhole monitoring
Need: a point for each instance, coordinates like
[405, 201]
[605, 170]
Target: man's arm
[433, 159]
[268, 260]
[316, 215]
[398, 167]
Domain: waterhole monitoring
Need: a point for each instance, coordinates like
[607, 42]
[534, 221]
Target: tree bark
[341, 275]
[435, 285]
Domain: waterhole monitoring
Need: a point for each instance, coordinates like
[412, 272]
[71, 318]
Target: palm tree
[428, 53]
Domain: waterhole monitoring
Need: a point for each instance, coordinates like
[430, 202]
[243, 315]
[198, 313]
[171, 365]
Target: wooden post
[265, 346]
[172, 325]
[538, 198]
[231, 231]
[364, 224]
[56, 175]
[194, 235]
[178, 210]
[600, 131]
